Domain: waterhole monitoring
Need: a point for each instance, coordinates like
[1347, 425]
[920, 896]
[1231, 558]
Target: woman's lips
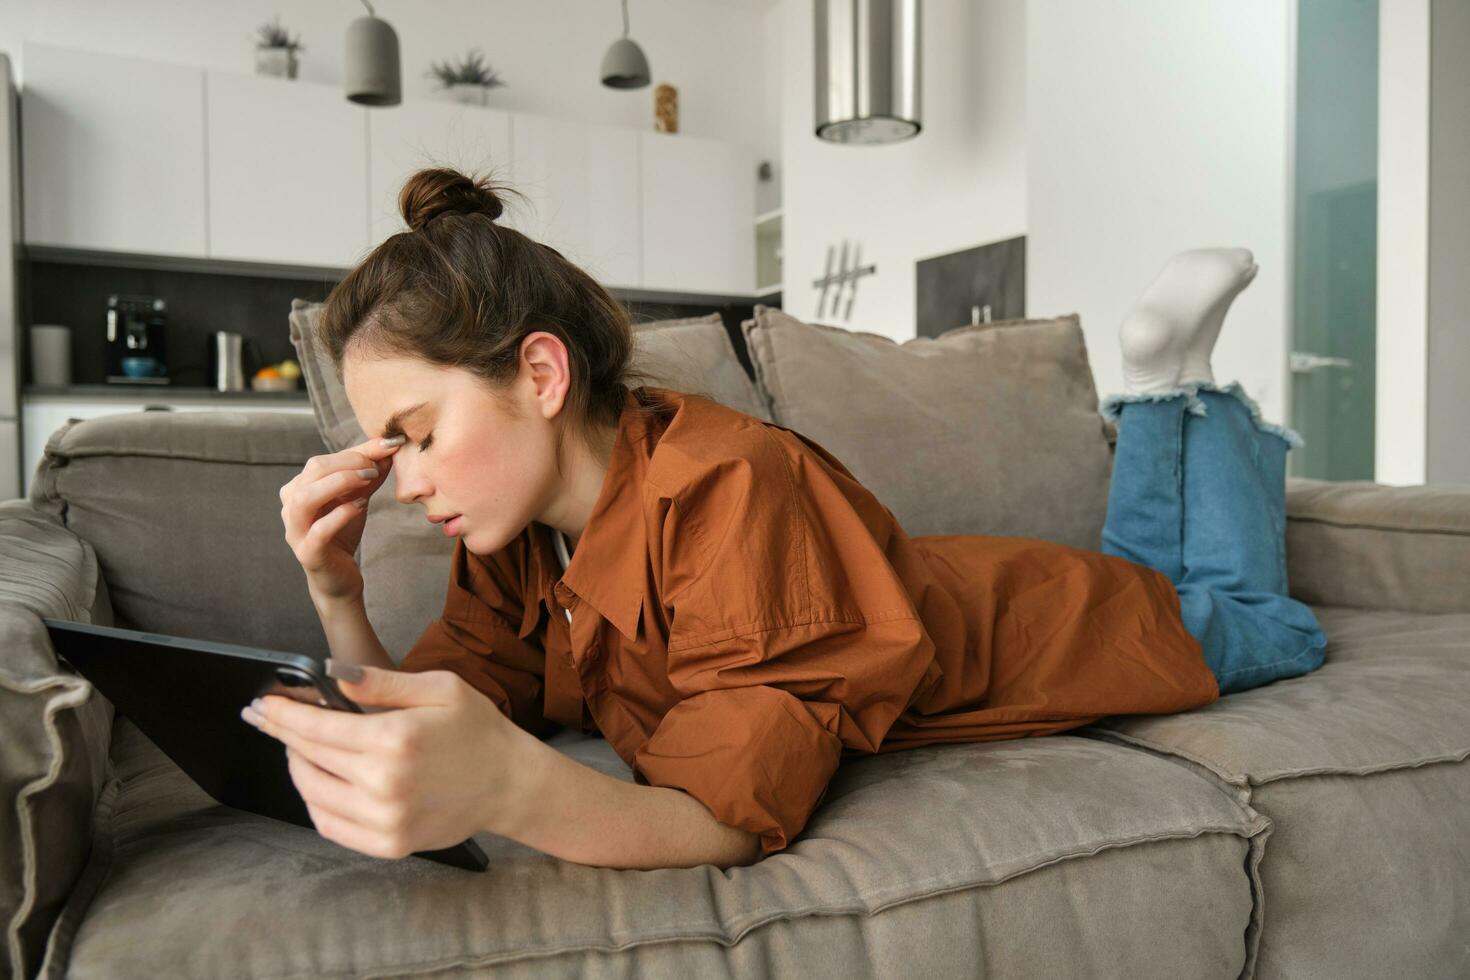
[451, 526]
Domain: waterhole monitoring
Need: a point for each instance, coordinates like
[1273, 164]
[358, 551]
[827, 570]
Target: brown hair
[458, 289]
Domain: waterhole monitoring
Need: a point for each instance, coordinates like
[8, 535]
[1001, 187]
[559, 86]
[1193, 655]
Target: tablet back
[186, 696]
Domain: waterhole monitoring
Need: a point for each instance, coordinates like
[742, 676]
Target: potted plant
[468, 80]
[275, 51]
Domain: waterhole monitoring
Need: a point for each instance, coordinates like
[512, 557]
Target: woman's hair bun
[430, 193]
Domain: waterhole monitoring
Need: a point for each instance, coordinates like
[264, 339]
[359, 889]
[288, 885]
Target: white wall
[960, 183]
[1402, 403]
[547, 51]
[1155, 126]
[773, 54]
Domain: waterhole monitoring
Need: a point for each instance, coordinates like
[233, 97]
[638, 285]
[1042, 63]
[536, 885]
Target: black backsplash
[200, 303]
[948, 287]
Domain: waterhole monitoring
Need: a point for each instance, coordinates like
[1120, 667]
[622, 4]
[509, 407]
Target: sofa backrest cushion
[334, 416]
[986, 429]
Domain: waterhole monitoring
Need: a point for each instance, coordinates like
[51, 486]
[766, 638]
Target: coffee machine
[136, 351]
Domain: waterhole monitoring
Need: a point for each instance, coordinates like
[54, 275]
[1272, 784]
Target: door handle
[1305, 362]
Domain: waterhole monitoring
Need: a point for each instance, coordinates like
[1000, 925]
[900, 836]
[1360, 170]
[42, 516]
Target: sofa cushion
[183, 510]
[1055, 856]
[334, 417]
[694, 354]
[53, 733]
[1369, 546]
[988, 429]
[404, 560]
[1364, 768]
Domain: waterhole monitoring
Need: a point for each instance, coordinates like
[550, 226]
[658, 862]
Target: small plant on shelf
[275, 50]
[468, 80]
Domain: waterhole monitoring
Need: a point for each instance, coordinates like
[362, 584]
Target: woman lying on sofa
[717, 595]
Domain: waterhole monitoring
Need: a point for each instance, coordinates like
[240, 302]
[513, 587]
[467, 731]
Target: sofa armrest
[1370, 546]
[54, 729]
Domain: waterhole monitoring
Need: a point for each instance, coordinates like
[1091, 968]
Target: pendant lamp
[867, 70]
[370, 73]
[624, 65]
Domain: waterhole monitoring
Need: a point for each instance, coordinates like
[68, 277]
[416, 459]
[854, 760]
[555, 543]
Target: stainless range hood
[867, 70]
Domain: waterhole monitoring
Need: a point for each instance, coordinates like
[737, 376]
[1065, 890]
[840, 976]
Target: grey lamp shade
[867, 70]
[370, 72]
[624, 65]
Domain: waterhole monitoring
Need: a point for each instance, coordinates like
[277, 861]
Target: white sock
[1169, 334]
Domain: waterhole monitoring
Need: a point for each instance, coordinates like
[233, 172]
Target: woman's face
[465, 455]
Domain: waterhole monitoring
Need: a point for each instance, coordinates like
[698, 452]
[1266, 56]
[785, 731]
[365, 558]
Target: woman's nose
[409, 483]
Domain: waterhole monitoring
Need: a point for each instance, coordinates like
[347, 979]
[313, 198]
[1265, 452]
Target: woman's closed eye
[424, 442]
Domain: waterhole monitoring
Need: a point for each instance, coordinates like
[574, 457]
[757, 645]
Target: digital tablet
[186, 696]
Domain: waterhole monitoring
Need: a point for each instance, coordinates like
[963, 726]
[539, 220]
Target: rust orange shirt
[745, 614]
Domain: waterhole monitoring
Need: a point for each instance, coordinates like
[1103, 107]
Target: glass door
[1335, 239]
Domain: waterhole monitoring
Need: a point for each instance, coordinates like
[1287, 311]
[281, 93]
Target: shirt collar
[609, 566]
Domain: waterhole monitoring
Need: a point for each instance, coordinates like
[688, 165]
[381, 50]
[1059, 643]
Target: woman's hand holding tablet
[435, 764]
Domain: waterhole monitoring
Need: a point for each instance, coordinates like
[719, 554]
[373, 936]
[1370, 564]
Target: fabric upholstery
[1312, 827]
[53, 734]
[1364, 769]
[334, 416]
[1038, 857]
[183, 512]
[1376, 547]
[695, 355]
[989, 429]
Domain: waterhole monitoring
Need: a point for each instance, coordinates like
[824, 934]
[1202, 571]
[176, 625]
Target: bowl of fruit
[277, 377]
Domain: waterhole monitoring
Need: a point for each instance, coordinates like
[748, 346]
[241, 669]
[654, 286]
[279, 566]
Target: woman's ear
[545, 356]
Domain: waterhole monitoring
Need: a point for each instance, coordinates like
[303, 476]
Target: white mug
[50, 354]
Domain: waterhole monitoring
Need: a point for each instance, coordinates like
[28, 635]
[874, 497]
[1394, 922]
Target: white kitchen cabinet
[418, 134]
[42, 415]
[287, 171]
[580, 183]
[113, 152]
[698, 202]
[168, 160]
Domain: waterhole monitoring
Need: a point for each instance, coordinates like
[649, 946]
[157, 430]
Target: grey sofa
[1316, 827]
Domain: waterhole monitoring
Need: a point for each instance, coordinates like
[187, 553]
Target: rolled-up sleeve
[476, 638]
[756, 757]
[791, 636]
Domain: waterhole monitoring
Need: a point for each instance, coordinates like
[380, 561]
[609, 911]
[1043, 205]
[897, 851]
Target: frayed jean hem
[1112, 406]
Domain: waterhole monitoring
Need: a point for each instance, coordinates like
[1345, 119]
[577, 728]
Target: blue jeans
[1199, 494]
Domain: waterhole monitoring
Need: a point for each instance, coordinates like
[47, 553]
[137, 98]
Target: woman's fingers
[324, 791]
[352, 835]
[325, 529]
[346, 730]
[304, 492]
[354, 767]
[303, 508]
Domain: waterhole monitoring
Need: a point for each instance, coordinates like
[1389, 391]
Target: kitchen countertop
[162, 393]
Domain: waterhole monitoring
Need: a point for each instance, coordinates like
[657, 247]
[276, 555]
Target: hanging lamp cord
[625, 17]
[371, 11]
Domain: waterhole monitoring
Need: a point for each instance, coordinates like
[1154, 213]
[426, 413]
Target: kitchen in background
[240, 223]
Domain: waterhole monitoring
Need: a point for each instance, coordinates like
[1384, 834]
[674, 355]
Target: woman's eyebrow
[394, 425]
